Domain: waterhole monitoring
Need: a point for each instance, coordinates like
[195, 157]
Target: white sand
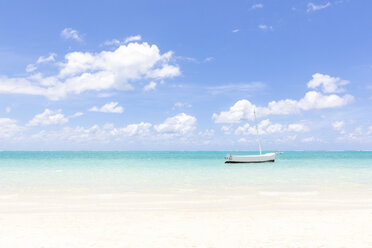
[236, 217]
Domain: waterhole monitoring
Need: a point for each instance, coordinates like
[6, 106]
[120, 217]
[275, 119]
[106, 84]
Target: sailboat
[261, 158]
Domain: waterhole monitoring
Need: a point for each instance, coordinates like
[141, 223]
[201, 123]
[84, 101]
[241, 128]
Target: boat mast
[258, 135]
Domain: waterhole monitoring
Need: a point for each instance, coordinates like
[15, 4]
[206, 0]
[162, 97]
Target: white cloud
[69, 33]
[339, 126]
[150, 86]
[31, 68]
[356, 134]
[310, 139]
[266, 127]
[179, 127]
[359, 134]
[316, 100]
[165, 71]
[8, 128]
[116, 42]
[77, 114]
[48, 117]
[275, 128]
[228, 88]
[140, 129]
[104, 134]
[235, 30]
[180, 124]
[257, 6]
[111, 107]
[84, 71]
[313, 7]
[327, 83]
[226, 129]
[369, 130]
[298, 127]
[243, 109]
[245, 130]
[133, 38]
[50, 58]
[75, 134]
[182, 105]
[207, 133]
[8, 109]
[265, 27]
[112, 42]
[41, 60]
[188, 59]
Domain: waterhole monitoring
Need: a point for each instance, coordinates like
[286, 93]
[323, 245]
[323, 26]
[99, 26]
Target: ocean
[119, 171]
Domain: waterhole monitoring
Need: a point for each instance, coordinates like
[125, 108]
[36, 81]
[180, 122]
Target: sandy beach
[234, 217]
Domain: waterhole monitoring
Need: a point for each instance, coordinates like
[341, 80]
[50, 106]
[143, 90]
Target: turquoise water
[131, 171]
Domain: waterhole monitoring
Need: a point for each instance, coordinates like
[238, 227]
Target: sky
[185, 75]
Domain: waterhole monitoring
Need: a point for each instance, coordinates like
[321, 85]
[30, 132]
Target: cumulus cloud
[267, 127]
[69, 33]
[313, 7]
[8, 128]
[243, 109]
[106, 70]
[150, 86]
[339, 126]
[48, 117]
[327, 83]
[207, 133]
[298, 127]
[104, 134]
[226, 129]
[316, 100]
[180, 124]
[111, 107]
[264, 127]
[140, 129]
[179, 127]
[75, 134]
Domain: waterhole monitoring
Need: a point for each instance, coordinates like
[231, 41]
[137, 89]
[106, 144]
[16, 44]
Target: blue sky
[185, 75]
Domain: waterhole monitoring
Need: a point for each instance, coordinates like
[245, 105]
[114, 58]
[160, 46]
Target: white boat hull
[267, 157]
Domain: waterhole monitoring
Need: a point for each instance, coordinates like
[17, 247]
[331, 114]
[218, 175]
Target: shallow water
[133, 171]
